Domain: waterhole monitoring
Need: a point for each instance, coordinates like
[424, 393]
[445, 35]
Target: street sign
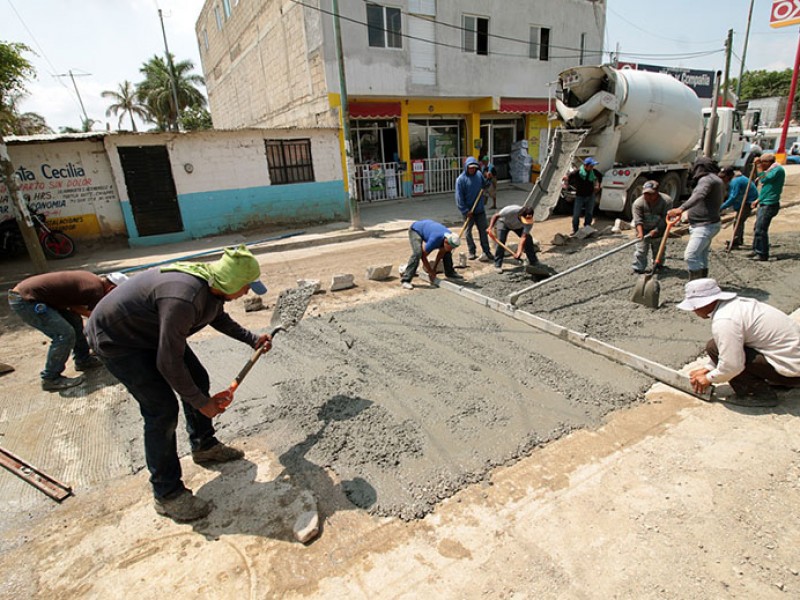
[784, 13]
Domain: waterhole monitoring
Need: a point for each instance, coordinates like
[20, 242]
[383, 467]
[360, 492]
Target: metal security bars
[289, 161]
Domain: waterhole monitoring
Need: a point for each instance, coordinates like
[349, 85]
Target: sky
[104, 42]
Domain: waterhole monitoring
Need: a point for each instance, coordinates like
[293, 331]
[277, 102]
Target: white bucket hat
[116, 278]
[702, 292]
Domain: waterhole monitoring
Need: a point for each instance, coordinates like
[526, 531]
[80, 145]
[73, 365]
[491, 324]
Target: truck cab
[733, 147]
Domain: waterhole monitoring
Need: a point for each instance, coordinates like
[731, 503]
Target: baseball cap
[590, 161]
[453, 240]
[116, 278]
[702, 292]
[650, 186]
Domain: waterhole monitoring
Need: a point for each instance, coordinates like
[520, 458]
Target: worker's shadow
[270, 509]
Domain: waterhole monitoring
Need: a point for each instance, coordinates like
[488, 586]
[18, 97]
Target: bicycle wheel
[58, 245]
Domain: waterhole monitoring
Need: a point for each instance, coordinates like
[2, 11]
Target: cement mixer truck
[638, 125]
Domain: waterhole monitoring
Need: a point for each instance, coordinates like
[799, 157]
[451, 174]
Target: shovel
[289, 309]
[647, 289]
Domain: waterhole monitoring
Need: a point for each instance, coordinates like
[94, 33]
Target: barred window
[289, 161]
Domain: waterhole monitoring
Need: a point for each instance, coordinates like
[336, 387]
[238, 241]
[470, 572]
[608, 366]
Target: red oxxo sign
[784, 12]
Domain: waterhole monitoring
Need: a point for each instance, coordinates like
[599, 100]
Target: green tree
[764, 84]
[195, 119]
[155, 92]
[125, 102]
[15, 70]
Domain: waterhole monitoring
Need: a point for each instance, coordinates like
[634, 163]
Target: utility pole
[728, 52]
[71, 75]
[344, 112]
[21, 213]
[171, 72]
[711, 129]
[744, 51]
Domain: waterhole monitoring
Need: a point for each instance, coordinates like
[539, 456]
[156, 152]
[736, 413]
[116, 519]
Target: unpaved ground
[662, 501]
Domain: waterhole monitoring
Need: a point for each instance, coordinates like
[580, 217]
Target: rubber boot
[695, 275]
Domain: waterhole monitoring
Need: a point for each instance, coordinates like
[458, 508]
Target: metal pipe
[513, 298]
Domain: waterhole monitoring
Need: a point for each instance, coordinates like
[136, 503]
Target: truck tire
[671, 186]
[633, 193]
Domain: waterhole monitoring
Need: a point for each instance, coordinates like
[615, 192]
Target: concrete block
[379, 273]
[315, 283]
[342, 281]
[253, 303]
[585, 232]
[620, 225]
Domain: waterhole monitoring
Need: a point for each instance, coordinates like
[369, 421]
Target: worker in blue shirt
[737, 185]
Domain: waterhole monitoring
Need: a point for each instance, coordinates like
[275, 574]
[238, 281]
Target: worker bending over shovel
[754, 346]
[519, 220]
[140, 333]
[650, 221]
[426, 236]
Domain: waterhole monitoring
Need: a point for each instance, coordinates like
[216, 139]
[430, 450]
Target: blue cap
[590, 161]
[258, 287]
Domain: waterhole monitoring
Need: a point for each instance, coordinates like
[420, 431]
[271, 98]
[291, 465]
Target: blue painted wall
[224, 211]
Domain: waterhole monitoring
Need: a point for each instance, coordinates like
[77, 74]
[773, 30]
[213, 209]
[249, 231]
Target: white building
[429, 82]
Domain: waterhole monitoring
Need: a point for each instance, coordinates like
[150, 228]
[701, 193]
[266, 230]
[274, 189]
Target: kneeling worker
[519, 220]
[754, 345]
[426, 236]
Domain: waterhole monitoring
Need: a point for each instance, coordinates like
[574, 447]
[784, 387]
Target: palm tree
[125, 102]
[155, 92]
[31, 123]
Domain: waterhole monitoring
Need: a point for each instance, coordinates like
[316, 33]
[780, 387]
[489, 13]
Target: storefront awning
[374, 110]
[523, 105]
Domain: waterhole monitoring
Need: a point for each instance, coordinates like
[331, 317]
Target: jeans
[647, 245]
[502, 236]
[764, 216]
[412, 265]
[479, 220]
[738, 233]
[63, 327]
[583, 204]
[138, 372]
[699, 246]
[757, 372]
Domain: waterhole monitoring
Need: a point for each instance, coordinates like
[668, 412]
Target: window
[583, 49]
[384, 26]
[226, 7]
[289, 161]
[540, 43]
[205, 38]
[218, 17]
[476, 35]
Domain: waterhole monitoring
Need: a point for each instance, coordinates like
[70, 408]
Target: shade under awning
[374, 110]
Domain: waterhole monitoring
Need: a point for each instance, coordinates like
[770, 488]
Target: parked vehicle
[56, 244]
[638, 125]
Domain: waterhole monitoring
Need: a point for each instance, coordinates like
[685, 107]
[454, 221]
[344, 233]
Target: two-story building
[428, 82]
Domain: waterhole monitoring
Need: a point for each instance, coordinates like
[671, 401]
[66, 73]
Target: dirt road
[390, 404]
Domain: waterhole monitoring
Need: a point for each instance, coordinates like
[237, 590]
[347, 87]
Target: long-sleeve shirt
[159, 311]
[651, 216]
[736, 190]
[772, 181]
[703, 205]
[745, 322]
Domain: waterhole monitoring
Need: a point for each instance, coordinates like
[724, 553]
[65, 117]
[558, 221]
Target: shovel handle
[499, 243]
[663, 245]
[469, 217]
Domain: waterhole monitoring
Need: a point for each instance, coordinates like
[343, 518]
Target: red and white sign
[784, 13]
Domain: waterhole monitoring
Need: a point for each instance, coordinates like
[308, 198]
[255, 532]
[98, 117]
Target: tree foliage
[125, 102]
[195, 119]
[764, 84]
[15, 71]
[155, 92]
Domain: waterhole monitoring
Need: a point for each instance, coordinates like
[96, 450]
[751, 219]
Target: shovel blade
[291, 306]
[652, 291]
[637, 295]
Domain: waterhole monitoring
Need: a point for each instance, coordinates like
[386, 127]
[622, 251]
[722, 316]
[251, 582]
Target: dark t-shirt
[159, 311]
[62, 289]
